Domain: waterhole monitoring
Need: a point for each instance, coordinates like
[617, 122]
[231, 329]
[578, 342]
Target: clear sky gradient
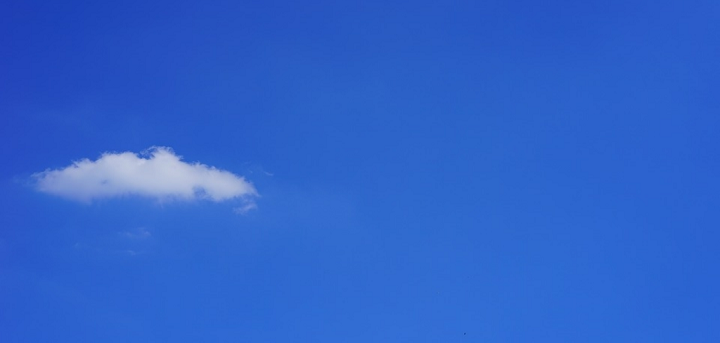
[447, 171]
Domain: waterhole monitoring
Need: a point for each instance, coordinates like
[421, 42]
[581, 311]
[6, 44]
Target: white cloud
[140, 233]
[158, 173]
[245, 208]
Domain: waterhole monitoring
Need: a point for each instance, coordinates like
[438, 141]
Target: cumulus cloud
[157, 173]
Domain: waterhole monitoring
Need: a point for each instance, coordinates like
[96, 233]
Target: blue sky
[498, 171]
